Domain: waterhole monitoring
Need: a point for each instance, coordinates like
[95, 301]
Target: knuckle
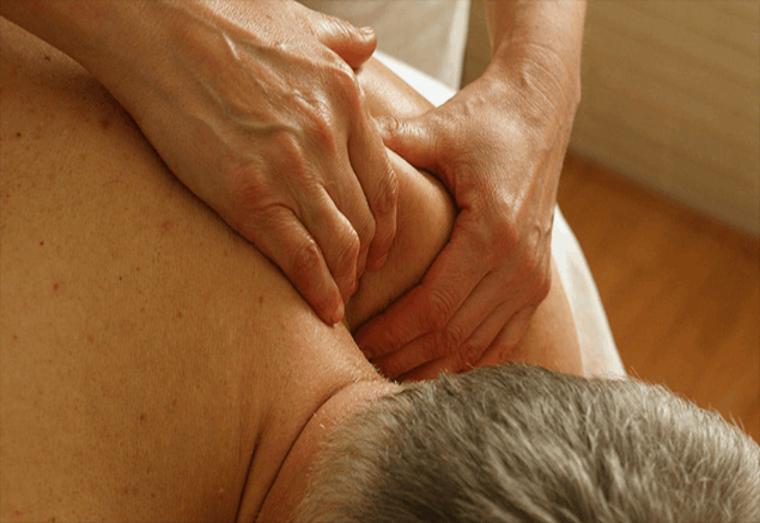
[437, 312]
[366, 229]
[504, 232]
[348, 250]
[347, 84]
[343, 30]
[289, 150]
[450, 339]
[312, 123]
[332, 28]
[386, 199]
[305, 257]
[318, 124]
[248, 186]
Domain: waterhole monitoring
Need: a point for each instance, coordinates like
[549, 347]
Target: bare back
[144, 345]
[138, 332]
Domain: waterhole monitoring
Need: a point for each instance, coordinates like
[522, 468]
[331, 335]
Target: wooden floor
[682, 292]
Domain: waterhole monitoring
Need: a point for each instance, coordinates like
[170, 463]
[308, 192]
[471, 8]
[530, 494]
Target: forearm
[538, 43]
[83, 30]
[425, 219]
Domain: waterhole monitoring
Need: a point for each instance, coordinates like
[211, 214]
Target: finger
[502, 350]
[434, 353]
[394, 328]
[281, 237]
[355, 46]
[370, 162]
[348, 196]
[498, 296]
[475, 324]
[337, 236]
[505, 347]
[427, 307]
[414, 139]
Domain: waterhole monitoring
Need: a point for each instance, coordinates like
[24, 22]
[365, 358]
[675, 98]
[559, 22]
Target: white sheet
[598, 350]
[430, 35]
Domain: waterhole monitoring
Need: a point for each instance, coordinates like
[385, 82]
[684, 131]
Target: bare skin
[289, 158]
[156, 366]
[498, 146]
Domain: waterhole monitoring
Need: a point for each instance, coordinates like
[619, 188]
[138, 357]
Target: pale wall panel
[671, 98]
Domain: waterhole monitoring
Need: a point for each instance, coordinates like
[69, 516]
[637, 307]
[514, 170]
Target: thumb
[414, 139]
[354, 46]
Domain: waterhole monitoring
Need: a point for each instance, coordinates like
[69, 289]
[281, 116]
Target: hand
[256, 108]
[499, 150]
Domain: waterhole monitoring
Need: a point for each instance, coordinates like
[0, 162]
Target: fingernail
[367, 32]
[338, 314]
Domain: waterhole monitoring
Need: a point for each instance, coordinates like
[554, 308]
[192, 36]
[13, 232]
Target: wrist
[538, 45]
[539, 109]
[537, 73]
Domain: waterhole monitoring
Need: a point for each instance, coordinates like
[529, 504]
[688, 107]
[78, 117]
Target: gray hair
[523, 444]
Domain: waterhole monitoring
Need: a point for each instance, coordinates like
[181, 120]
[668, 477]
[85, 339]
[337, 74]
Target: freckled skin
[119, 411]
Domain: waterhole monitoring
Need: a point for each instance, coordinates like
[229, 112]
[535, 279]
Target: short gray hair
[517, 443]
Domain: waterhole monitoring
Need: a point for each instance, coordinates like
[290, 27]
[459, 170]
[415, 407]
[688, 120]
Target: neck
[307, 389]
[292, 482]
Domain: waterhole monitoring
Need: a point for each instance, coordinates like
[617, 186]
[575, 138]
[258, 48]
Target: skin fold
[497, 145]
[254, 105]
[155, 365]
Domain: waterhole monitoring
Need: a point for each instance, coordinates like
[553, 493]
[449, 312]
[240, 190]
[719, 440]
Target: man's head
[523, 444]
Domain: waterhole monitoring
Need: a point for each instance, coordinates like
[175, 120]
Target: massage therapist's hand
[254, 105]
[498, 146]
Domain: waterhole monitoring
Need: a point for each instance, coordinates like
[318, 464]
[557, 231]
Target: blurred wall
[671, 98]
